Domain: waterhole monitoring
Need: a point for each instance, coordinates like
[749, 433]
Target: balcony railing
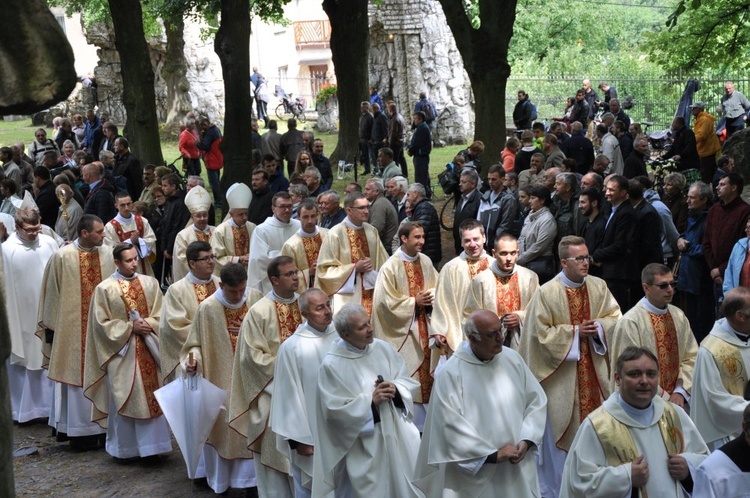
[312, 34]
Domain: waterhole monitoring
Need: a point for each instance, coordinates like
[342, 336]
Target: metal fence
[655, 98]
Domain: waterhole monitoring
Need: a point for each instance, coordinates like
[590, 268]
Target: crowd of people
[545, 359]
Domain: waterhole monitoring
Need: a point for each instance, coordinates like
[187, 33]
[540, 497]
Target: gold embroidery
[135, 300]
[589, 391]
[360, 249]
[478, 266]
[289, 318]
[415, 277]
[234, 322]
[312, 248]
[729, 362]
[508, 294]
[241, 241]
[91, 276]
[202, 291]
[202, 236]
[667, 350]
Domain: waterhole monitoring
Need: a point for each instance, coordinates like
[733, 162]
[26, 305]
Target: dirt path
[58, 471]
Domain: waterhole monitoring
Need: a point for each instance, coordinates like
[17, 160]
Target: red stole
[478, 266]
[508, 294]
[360, 249]
[91, 276]
[123, 236]
[415, 277]
[241, 240]
[667, 350]
[289, 318]
[234, 322]
[135, 300]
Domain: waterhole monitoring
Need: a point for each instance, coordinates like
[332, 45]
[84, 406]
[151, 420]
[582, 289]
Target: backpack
[429, 112]
[534, 114]
[447, 181]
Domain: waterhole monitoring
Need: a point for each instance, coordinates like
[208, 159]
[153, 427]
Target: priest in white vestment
[304, 246]
[269, 323]
[720, 390]
[268, 239]
[351, 257]
[505, 290]
[212, 343]
[71, 275]
[181, 304]
[485, 421]
[655, 324]
[726, 472]
[298, 361]
[365, 436]
[198, 202]
[133, 228]
[69, 214]
[568, 326]
[636, 444]
[25, 255]
[28, 201]
[231, 239]
[404, 295]
[121, 371]
[453, 287]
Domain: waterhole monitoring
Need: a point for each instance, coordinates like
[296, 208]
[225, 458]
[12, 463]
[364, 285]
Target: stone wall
[412, 50]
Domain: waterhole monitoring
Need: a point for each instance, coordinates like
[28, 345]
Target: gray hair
[104, 153]
[402, 182]
[470, 328]
[304, 299]
[569, 179]
[677, 178]
[198, 180]
[472, 175]
[314, 172]
[299, 190]
[69, 142]
[333, 195]
[608, 115]
[576, 127]
[343, 317]
[418, 188]
[704, 190]
[377, 183]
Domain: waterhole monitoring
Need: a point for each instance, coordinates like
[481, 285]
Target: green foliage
[704, 35]
[325, 94]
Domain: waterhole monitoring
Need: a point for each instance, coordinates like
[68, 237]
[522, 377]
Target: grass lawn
[23, 131]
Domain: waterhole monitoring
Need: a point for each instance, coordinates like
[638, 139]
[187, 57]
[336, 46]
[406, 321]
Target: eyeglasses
[287, 274]
[206, 259]
[31, 230]
[285, 206]
[580, 259]
[666, 285]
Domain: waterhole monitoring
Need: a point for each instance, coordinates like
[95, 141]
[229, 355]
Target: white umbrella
[191, 406]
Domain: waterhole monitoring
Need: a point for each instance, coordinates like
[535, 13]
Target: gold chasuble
[268, 323]
[399, 321]
[115, 231]
[114, 351]
[187, 235]
[180, 306]
[574, 386]
[304, 249]
[729, 361]
[229, 242]
[213, 341]
[68, 284]
[339, 252]
[451, 294]
[665, 332]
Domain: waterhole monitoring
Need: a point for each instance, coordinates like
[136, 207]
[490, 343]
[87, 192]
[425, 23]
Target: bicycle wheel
[280, 111]
[446, 216]
[299, 112]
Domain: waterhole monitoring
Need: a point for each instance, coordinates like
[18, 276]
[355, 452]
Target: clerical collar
[85, 249]
[195, 280]
[219, 295]
[653, 309]
[27, 243]
[643, 416]
[406, 257]
[354, 349]
[466, 257]
[569, 283]
[284, 300]
[119, 276]
[302, 233]
[723, 323]
[282, 222]
[495, 267]
[122, 220]
[351, 225]
[206, 231]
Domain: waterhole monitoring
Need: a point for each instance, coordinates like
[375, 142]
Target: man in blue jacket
[420, 148]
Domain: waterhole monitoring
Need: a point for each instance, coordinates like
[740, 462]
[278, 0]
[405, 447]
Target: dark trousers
[192, 166]
[398, 156]
[699, 310]
[374, 149]
[622, 291]
[422, 173]
[262, 110]
[364, 154]
[734, 125]
[214, 177]
[708, 168]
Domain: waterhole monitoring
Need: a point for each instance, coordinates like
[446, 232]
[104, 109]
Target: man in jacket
[396, 135]
[468, 204]
[522, 112]
[684, 148]
[209, 145]
[379, 136]
[100, 200]
[706, 141]
[365, 133]
[420, 148]
[424, 212]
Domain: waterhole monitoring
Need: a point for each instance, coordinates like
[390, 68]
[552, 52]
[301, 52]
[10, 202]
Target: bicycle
[295, 107]
[447, 213]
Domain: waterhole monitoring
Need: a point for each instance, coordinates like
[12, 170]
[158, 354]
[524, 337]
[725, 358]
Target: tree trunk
[350, 47]
[485, 55]
[174, 73]
[232, 45]
[139, 96]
